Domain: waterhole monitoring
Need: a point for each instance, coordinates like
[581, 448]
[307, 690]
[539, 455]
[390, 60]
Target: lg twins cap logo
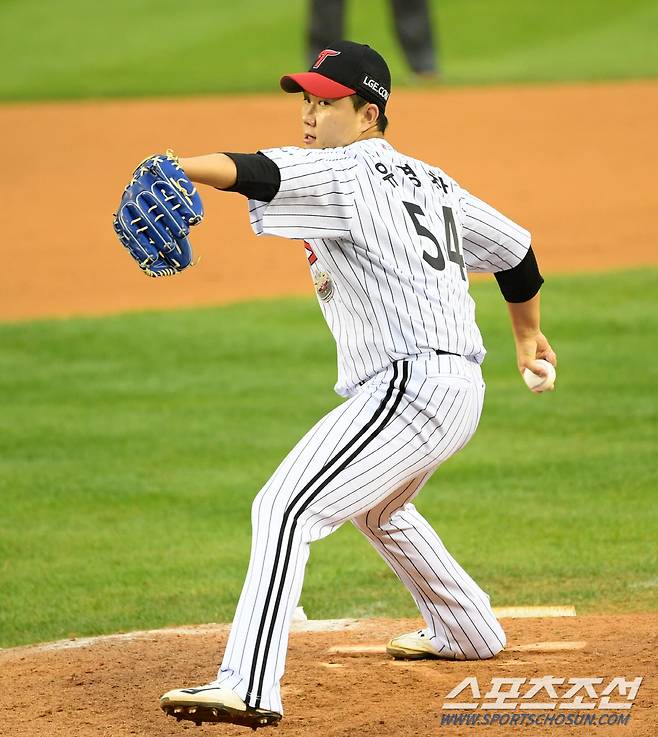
[374, 85]
[323, 55]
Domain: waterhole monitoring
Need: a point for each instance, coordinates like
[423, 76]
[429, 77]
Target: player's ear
[370, 114]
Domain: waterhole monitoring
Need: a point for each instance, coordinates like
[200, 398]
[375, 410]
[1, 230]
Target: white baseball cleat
[214, 703]
[412, 646]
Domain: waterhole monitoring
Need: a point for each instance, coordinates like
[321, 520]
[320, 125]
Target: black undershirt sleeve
[258, 177]
[523, 281]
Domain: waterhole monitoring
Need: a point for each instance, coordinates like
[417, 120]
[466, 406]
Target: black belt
[438, 352]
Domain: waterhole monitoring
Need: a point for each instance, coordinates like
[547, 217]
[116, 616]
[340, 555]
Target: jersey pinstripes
[387, 302]
[492, 242]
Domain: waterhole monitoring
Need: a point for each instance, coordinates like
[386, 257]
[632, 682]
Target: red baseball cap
[344, 68]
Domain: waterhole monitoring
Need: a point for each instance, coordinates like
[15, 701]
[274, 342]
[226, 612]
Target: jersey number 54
[453, 243]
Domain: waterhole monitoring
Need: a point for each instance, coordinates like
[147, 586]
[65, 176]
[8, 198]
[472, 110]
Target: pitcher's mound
[337, 683]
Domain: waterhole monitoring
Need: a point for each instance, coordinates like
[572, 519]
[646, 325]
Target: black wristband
[522, 282]
[258, 177]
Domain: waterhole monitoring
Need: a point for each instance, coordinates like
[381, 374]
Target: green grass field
[74, 49]
[133, 445]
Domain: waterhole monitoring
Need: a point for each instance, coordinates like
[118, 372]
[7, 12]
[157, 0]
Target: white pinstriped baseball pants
[364, 461]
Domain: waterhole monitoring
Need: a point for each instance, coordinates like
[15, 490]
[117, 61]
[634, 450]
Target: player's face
[328, 123]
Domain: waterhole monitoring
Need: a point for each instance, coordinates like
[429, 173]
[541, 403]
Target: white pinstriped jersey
[390, 240]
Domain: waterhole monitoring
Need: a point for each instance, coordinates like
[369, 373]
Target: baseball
[539, 383]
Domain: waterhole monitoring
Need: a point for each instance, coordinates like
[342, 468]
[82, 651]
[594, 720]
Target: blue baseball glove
[155, 214]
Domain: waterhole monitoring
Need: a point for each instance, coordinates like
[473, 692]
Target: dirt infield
[112, 688]
[576, 164]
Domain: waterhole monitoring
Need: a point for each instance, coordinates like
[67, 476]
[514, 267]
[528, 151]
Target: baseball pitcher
[390, 241]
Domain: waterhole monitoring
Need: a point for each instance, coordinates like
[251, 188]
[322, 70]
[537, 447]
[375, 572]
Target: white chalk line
[299, 624]
[310, 625]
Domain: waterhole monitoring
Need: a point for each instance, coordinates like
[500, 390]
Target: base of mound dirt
[338, 683]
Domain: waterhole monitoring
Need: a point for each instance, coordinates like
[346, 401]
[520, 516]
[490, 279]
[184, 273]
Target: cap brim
[315, 84]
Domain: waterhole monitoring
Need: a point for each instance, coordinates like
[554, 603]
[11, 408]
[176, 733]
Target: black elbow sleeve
[258, 177]
[522, 282]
